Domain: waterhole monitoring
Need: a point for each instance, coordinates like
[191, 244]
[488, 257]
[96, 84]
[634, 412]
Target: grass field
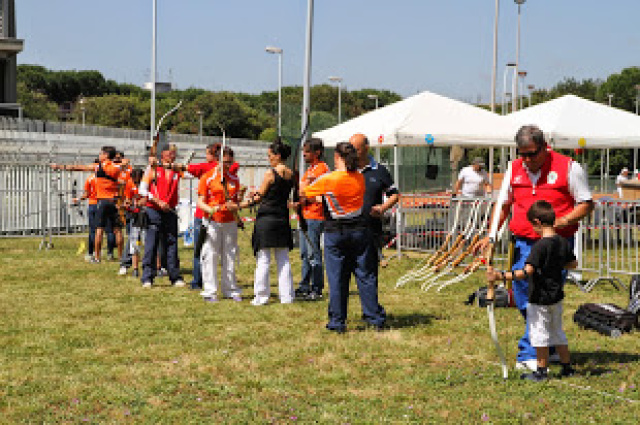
[80, 344]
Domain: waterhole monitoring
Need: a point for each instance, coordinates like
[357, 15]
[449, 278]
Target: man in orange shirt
[218, 201]
[92, 208]
[107, 184]
[310, 253]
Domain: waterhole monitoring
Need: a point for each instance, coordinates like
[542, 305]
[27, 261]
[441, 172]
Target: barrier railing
[607, 241]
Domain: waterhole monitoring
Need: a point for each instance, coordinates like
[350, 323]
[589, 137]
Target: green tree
[623, 88]
[36, 105]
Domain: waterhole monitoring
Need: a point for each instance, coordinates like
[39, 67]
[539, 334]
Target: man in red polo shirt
[160, 185]
[539, 173]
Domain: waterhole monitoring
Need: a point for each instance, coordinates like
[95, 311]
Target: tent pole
[491, 166]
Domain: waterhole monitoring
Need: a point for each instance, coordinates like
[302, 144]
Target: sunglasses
[530, 154]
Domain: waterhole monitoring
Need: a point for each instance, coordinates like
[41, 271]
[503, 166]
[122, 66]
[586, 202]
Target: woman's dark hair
[227, 151]
[136, 174]
[543, 211]
[279, 148]
[348, 153]
[110, 151]
[315, 145]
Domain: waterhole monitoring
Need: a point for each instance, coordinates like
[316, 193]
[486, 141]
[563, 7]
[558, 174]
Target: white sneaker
[147, 285]
[531, 365]
[257, 302]
[179, 283]
[122, 271]
[88, 257]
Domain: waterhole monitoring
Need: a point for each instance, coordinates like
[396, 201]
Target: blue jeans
[196, 282]
[161, 226]
[311, 257]
[521, 294]
[346, 252]
[92, 214]
[111, 238]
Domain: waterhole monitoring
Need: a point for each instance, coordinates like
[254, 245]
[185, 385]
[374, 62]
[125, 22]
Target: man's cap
[625, 169]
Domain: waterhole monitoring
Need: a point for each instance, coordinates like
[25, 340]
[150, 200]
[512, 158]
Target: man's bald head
[361, 143]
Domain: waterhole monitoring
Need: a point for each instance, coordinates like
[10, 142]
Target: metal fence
[607, 241]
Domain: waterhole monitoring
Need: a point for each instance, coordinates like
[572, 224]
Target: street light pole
[278, 51]
[495, 57]
[522, 75]
[375, 96]
[199, 112]
[505, 104]
[339, 81]
[515, 82]
[306, 87]
[82, 109]
[154, 47]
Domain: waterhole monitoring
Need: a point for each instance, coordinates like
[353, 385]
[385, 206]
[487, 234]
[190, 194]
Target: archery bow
[493, 231]
[223, 179]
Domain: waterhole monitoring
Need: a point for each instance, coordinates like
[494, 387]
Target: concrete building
[10, 46]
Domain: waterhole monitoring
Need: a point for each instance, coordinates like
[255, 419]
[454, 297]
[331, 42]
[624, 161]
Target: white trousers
[261, 287]
[221, 245]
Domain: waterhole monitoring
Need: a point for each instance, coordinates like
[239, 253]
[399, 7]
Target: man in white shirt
[622, 177]
[473, 181]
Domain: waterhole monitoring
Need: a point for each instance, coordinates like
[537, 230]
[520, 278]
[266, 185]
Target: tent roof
[426, 118]
[573, 122]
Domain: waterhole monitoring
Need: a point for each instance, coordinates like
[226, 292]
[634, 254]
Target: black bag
[634, 295]
[608, 319]
[432, 169]
[503, 297]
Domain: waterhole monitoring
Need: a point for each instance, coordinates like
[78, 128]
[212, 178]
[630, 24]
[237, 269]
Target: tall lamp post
[505, 103]
[515, 82]
[521, 76]
[278, 51]
[82, 109]
[339, 81]
[154, 63]
[375, 96]
[531, 88]
[200, 113]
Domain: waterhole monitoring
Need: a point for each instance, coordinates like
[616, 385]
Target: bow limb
[491, 315]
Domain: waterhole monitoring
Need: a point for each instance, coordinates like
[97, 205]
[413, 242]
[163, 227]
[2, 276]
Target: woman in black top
[272, 230]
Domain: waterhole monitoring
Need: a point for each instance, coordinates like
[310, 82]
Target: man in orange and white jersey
[312, 281]
[217, 198]
[107, 185]
[348, 243]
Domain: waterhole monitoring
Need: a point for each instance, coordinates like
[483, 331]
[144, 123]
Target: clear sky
[444, 46]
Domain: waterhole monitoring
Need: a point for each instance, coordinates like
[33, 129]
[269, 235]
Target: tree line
[76, 95]
[71, 95]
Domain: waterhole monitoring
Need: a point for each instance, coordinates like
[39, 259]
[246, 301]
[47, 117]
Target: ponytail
[349, 155]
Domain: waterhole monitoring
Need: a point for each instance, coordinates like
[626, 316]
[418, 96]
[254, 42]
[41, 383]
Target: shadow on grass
[595, 362]
[396, 321]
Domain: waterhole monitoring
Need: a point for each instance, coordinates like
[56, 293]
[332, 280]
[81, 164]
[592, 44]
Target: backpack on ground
[503, 297]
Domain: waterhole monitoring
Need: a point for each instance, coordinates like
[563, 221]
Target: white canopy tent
[426, 118]
[571, 122]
